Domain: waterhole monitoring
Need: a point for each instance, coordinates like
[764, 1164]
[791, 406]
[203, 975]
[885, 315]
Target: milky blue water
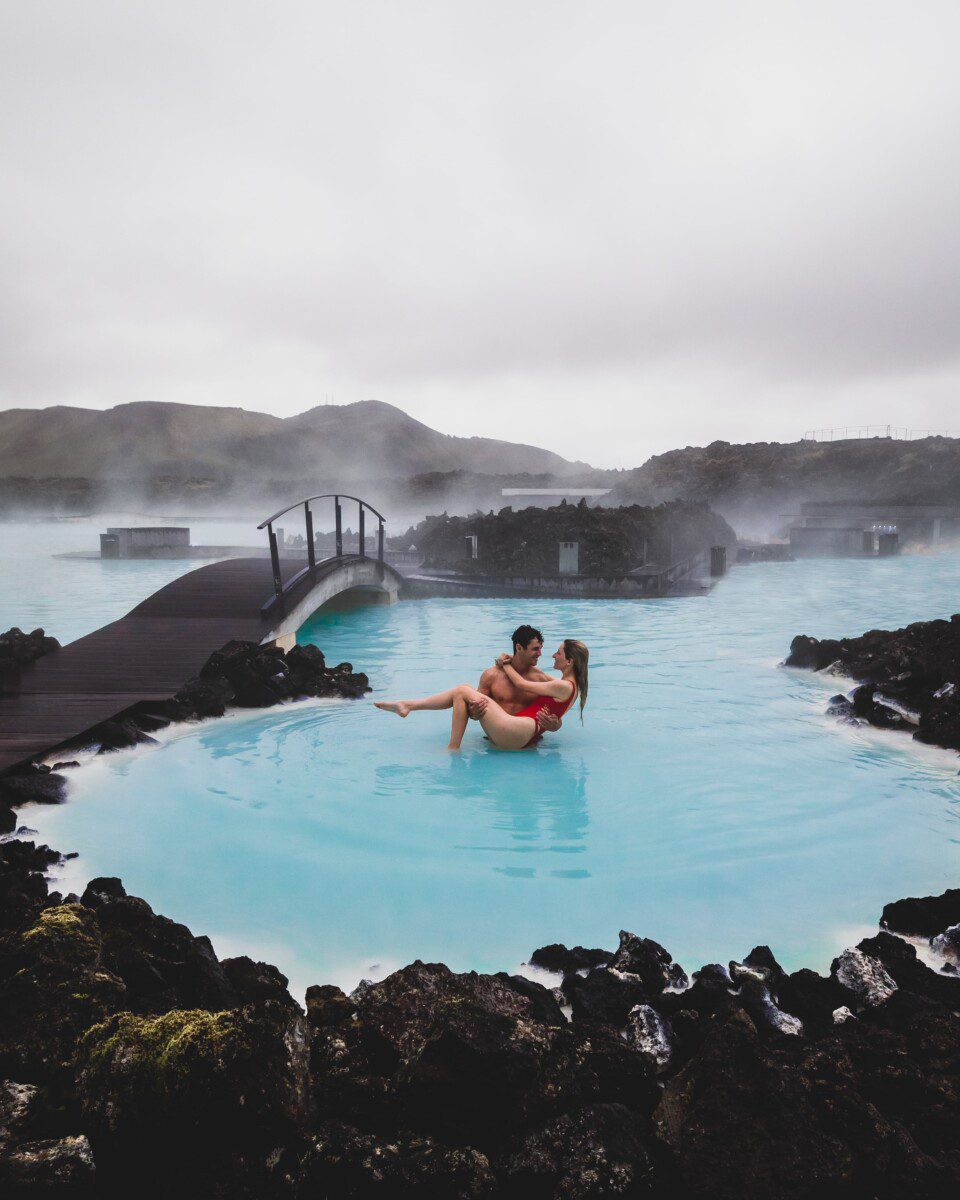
[69, 597]
[706, 801]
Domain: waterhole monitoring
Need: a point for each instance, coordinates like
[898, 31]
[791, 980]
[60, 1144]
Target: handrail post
[275, 560]
[339, 520]
[362, 546]
[308, 516]
[380, 542]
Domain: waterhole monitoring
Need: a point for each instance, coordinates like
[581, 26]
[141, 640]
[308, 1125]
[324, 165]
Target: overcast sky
[606, 228]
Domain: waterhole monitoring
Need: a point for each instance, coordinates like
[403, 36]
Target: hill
[151, 451]
[755, 484]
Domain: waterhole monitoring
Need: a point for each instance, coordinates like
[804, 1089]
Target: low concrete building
[141, 541]
[926, 524]
[828, 542]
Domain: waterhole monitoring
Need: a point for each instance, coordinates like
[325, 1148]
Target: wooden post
[362, 548]
[336, 506]
[308, 517]
[275, 561]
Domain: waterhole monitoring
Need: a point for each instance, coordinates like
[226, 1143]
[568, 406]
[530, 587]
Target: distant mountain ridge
[757, 483]
[340, 443]
[181, 457]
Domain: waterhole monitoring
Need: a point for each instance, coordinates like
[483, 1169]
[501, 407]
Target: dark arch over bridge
[152, 651]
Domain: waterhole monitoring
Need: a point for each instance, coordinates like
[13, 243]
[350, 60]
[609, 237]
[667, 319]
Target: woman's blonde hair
[579, 655]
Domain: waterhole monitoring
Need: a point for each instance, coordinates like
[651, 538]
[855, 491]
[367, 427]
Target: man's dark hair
[524, 635]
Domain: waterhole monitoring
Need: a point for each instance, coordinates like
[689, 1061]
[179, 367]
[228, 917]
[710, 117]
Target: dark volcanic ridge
[193, 458]
[75, 457]
[909, 678]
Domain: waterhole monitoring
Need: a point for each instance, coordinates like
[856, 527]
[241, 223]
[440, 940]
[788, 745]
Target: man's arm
[485, 680]
[476, 710]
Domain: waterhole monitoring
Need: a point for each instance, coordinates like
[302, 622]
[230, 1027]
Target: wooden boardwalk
[146, 655]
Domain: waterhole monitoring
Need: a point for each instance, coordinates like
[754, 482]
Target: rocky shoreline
[240, 674]
[909, 679]
[137, 1063]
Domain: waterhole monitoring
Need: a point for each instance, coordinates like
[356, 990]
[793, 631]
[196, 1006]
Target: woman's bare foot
[394, 706]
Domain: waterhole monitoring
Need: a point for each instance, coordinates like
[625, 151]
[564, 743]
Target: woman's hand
[504, 660]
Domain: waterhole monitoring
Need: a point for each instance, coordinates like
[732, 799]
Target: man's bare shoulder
[538, 676]
[489, 675]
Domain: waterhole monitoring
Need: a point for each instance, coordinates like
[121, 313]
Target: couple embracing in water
[515, 702]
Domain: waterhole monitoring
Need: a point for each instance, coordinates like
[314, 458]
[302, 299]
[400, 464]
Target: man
[527, 648]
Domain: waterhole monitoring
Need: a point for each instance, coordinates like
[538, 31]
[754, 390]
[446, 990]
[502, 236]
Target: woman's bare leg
[434, 703]
[458, 726]
[504, 730]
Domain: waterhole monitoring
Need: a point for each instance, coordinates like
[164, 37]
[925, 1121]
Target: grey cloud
[681, 221]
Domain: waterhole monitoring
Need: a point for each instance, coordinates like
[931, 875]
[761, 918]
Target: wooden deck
[146, 655]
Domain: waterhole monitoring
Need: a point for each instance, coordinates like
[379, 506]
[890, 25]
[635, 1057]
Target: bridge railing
[362, 507]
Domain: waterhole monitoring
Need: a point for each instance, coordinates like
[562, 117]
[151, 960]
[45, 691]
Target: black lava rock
[328, 1005]
[910, 677]
[762, 957]
[162, 965]
[928, 915]
[900, 961]
[32, 785]
[605, 995]
[556, 957]
[544, 1003]
[19, 649]
[650, 961]
[249, 675]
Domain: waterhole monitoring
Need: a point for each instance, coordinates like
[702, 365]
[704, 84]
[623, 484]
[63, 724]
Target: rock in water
[947, 943]
[901, 963]
[927, 915]
[19, 649]
[605, 995]
[648, 960]
[907, 676]
[556, 957]
[32, 784]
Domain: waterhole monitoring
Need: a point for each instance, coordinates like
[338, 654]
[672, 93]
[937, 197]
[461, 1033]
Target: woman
[506, 731]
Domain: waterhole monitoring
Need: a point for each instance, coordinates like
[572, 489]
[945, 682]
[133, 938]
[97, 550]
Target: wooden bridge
[152, 651]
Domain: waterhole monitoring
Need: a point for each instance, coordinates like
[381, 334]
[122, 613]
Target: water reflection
[543, 811]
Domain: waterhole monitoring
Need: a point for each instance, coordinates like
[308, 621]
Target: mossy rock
[66, 934]
[192, 1072]
[54, 988]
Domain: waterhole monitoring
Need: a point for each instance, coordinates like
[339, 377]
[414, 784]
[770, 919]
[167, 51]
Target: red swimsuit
[535, 707]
